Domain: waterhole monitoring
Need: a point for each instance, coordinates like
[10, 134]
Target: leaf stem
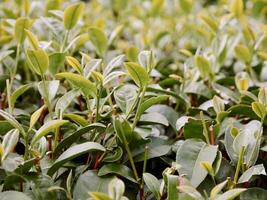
[64, 40]
[239, 163]
[8, 90]
[136, 118]
[98, 103]
[144, 166]
[134, 104]
[205, 130]
[16, 66]
[46, 94]
[130, 156]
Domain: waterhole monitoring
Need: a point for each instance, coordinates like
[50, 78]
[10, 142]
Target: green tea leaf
[99, 40]
[99, 196]
[35, 116]
[10, 141]
[56, 60]
[78, 81]
[137, 73]
[7, 195]
[32, 39]
[243, 53]
[21, 24]
[190, 155]
[150, 102]
[74, 152]
[74, 137]
[254, 170]
[231, 194]
[117, 169]
[74, 63]
[72, 15]
[17, 93]
[259, 109]
[38, 60]
[237, 7]
[153, 184]
[47, 128]
[13, 122]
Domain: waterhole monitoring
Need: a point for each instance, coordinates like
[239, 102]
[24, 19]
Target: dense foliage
[133, 99]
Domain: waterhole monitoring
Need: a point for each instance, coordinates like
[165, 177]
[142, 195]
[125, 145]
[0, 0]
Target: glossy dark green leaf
[117, 169]
[72, 138]
[7, 195]
[153, 184]
[74, 152]
[90, 182]
[254, 193]
[190, 155]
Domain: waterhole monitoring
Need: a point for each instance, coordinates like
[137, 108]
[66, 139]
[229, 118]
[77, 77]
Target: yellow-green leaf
[72, 15]
[38, 60]
[218, 104]
[76, 118]
[21, 24]
[262, 96]
[47, 128]
[211, 23]
[237, 7]
[208, 167]
[35, 116]
[262, 55]
[259, 109]
[217, 189]
[97, 76]
[74, 63]
[132, 54]
[78, 81]
[17, 93]
[242, 52]
[32, 39]
[242, 84]
[99, 196]
[137, 73]
[203, 65]
[99, 40]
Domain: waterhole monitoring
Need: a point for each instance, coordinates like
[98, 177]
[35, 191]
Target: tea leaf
[47, 128]
[137, 73]
[242, 52]
[237, 7]
[22, 89]
[259, 109]
[99, 40]
[254, 170]
[74, 152]
[10, 141]
[35, 116]
[38, 60]
[74, 63]
[32, 39]
[190, 159]
[21, 24]
[78, 81]
[152, 184]
[72, 15]
[13, 122]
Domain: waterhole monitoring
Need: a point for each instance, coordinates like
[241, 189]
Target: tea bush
[133, 99]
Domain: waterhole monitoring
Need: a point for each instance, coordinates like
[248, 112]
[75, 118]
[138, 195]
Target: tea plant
[113, 100]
